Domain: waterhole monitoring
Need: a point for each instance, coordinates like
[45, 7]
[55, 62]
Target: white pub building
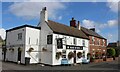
[48, 43]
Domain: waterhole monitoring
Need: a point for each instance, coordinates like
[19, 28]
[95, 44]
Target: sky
[101, 15]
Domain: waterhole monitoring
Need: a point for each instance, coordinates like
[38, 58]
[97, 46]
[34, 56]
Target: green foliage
[111, 52]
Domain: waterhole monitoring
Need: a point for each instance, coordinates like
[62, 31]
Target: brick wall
[97, 47]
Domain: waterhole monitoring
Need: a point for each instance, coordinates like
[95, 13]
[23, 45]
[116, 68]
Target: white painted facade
[13, 42]
[37, 39]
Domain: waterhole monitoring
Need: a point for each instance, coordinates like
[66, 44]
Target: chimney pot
[79, 27]
[73, 23]
[72, 18]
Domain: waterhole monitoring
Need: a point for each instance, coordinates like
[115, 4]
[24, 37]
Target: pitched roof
[66, 30]
[91, 33]
[15, 28]
[112, 44]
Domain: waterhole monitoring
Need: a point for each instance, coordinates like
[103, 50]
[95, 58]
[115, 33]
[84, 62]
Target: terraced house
[49, 43]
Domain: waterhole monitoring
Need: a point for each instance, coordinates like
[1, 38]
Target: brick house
[97, 43]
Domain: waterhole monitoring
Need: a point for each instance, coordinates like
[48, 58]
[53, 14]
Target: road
[92, 66]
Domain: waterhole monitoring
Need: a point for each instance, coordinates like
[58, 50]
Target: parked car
[86, 61]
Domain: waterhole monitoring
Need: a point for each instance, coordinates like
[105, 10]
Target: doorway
[75, 56]
[19, 54]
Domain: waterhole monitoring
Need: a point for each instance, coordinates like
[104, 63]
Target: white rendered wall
[32, 41]
[46, 56]
[12, 39]
[69, 41]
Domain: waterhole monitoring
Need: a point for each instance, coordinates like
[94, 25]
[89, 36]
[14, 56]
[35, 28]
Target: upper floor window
[36, 41]
[29, 40]
[103, 42]
[98, 42]
[93, 40]
[19, 36]
[49, 39]
[74, 41]
[83, 42]
[59, 43]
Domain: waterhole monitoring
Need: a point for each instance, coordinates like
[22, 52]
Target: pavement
[92, 66]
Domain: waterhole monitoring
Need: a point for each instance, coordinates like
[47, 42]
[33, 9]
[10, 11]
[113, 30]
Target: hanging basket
[44, 49]
[30, 49]
[58, 55]
[71, 55]
[79, 54]
[11, 49]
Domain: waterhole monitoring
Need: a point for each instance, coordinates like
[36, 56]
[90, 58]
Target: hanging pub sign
[74, 47]
[59, 43]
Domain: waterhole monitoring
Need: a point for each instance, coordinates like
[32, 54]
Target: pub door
[19, 55]
[75, 56]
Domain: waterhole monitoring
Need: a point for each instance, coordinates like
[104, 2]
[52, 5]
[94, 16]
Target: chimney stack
[43, 15]
[73, 23]
[78, 25]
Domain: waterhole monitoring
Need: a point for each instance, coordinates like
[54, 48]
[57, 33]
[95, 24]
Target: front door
[19, 54]
[75, 56]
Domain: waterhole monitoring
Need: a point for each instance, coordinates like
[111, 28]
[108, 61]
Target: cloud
[31, 10]
[112, 23]
[60, 17]
[91, 24]
[88, 23]
[112, 37]
[2, 33]
[113, 5]
[98, 26]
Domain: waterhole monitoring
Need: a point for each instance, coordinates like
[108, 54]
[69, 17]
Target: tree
[111, 52]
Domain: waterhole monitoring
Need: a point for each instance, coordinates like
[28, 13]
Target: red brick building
[97, 43]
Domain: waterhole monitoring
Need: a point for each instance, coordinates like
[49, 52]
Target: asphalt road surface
[113, 66]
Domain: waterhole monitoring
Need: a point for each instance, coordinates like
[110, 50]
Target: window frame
[49, 37]
[19, 36]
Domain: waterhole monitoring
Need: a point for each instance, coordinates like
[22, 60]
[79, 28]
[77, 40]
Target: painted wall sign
[74, 47]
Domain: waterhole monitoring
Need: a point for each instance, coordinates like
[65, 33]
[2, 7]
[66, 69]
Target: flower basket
[44, 49]
[58, 55]
[71, 55]
[12, 49]
[79, 54]
[30, 49]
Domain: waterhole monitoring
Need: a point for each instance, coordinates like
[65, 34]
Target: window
[49, 39]
[103, 42]
[19, 36]
[98, 42]
[29, 40]
[63, 53]
[36, 41]
[74, 41]
[83, 42]
[59, 43]
[83, 54]
[93, 40]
